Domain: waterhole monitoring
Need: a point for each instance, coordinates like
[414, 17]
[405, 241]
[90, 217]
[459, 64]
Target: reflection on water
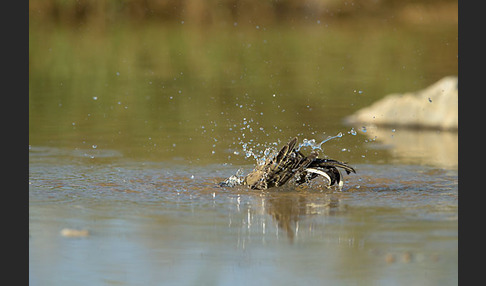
[162, 93]
[287, 209]
[431, 147]
[152, 223]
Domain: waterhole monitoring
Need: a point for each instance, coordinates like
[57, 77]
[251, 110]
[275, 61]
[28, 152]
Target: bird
[290, 163]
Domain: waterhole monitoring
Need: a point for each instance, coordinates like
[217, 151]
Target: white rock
[434, 107]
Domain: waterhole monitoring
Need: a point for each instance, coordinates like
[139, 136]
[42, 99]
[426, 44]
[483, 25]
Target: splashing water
[312, 142]
[271, 148]
[263, 157]
[234, 180]
[269, 153]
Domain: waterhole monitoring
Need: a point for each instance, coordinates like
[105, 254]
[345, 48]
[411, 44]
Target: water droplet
[363, 128]
[430, 100]
[94, 146]
[267, 152]
[95, 98]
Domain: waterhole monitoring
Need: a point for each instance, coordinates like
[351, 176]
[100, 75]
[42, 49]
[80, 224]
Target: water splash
[352, 132]
[234, 180]
[312, 142]
[269, 150]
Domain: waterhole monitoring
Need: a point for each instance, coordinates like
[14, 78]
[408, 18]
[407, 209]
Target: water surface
[159, 223]
[130, 130]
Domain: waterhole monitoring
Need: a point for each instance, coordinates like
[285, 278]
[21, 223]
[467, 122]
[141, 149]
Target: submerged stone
[69, 232]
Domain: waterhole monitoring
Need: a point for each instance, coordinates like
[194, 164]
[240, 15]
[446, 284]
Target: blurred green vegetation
[246, 12]
[161, 84]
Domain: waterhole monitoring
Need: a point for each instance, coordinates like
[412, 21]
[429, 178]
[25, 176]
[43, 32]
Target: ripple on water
[425, 191]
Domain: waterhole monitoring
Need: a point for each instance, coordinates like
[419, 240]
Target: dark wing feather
[332, 163]
[274, 172]
[298, 164]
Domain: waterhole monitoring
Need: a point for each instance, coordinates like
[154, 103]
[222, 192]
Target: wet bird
[291, 163]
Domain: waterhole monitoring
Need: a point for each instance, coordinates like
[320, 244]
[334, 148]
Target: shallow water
[131, 129]
[158, 223]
